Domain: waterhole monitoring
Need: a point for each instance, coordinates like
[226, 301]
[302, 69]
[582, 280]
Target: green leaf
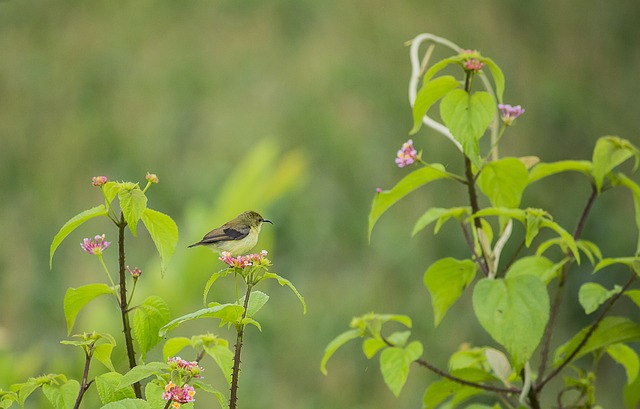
[284, 282]
[503, 182]
[210, 389]
[593, 295]
[140, 372]
[611, 151]
[384, 200]
[76, 298]
[538, 266]
[107, 386]
[371, 346]
[127, 404]
[148, 318]
[153, 393]
[542, 170]
[632, 394]
[395, 363]
[428, 95]
[399, 338]
[110, 190]
[498, 77]
[514, 311]
[627, 357]
[336, 343]
[102, 353]
[214, 277]
[71, 225]
[164, 233]
[441, 215]
[257, 300]
[467, 117]
[223, 357]
[612, 330]
[590, 249]
[632, 262]
[634, 295]
[132, 203]
[62, 396]
[621, 180]
[446, 279]
[440, 65]
[225, 312]
[174, 345]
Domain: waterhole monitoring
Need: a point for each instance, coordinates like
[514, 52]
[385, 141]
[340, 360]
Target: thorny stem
[85, 376]
[236, 357]
[124, 313]
[557, 299]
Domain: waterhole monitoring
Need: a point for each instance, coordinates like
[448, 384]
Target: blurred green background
[294, 109]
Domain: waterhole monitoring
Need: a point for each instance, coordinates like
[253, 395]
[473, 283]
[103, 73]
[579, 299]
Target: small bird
[237, 236]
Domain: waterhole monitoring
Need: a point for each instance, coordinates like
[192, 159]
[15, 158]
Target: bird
[237, 236]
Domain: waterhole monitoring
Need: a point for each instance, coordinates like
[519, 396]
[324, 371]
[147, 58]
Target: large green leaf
[467, 117]
[503, 182]
[441, 215]
[611, 330]
[71, 225]
[428, 95]
[385, 199]
[132, 203]
[632, 394]
[62, 396]
[140, 372]
[76, 298]
[223, 357]
[446, 279]
[148, 318]
[514, 311]
[164, 233]
[539, 266]
[611, 151]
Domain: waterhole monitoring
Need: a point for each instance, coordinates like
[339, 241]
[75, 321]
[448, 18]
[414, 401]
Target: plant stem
[85, 375]
[124, 308]
[557, 299]
[238, 348]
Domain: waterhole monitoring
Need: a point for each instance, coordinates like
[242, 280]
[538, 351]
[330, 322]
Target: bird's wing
[225, 234]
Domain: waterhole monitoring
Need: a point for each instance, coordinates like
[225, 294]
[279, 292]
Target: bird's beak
[267, 221]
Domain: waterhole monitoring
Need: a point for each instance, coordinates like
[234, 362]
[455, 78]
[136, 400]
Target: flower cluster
[510, 113]
[95, 247]
[98, 180]
[178, 395]
[407, 154]
[244, 261]
[135, 273]
[190, 369]
[473, 65]
[152, 177]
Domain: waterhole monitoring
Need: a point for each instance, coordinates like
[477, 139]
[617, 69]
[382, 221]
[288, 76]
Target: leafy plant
[517, 301]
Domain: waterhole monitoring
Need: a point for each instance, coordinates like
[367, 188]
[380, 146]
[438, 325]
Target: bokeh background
[295, 109]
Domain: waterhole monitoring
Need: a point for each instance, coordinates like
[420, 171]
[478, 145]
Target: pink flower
[378, 190]
[178, 395]
[135, 273]
[510, 113]
[244, 261]
[152, 177]
[98, 180]
[407, 154]
[473, 65]
[95, 247]
[192, 367]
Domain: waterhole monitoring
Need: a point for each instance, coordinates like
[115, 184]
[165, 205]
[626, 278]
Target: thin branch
[557, 299]
[238, 348]
[472, 248]
[124, 308]
[85, 376]
[589, 333]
